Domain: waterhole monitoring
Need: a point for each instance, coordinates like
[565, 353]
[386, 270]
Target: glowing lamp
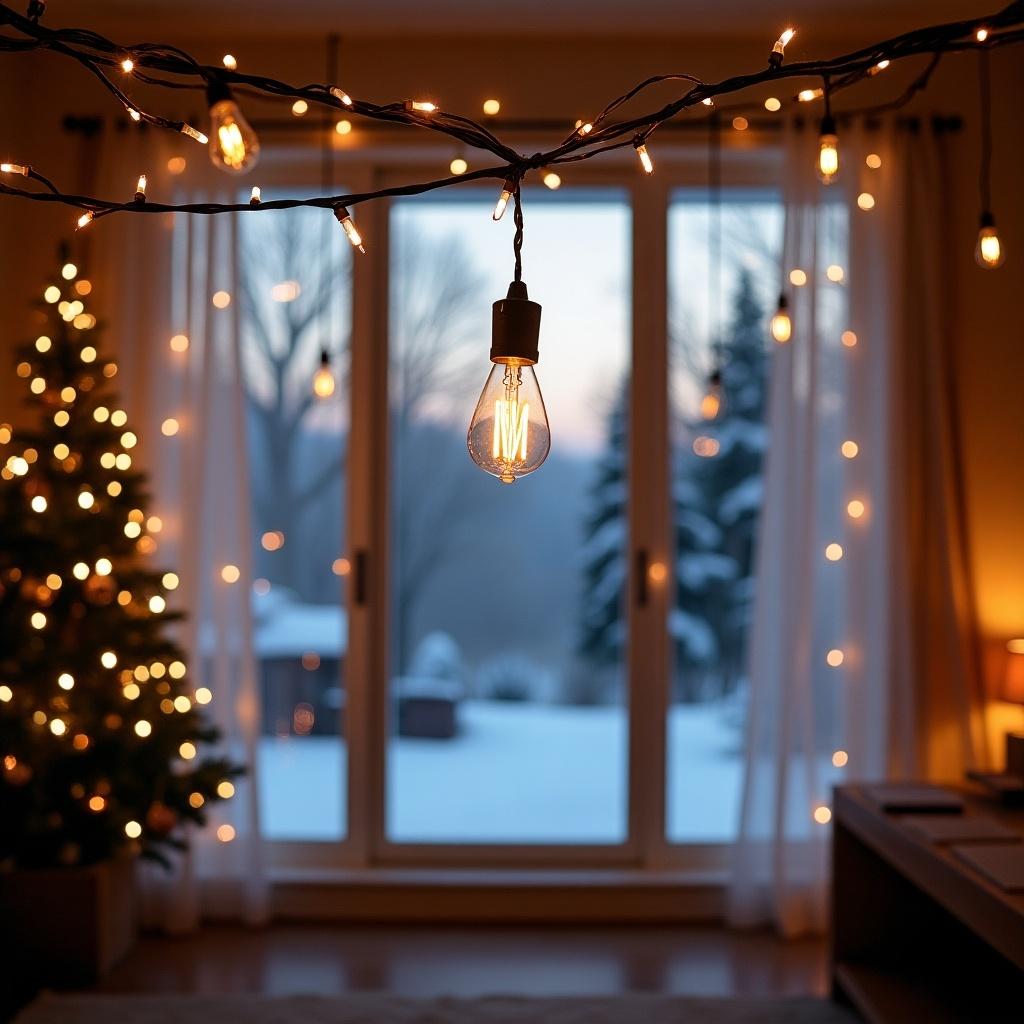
[509, 435]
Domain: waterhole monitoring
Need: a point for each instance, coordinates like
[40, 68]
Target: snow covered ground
[516, 773]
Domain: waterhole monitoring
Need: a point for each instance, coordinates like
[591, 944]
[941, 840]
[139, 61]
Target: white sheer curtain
[156, 278]
[838, 625]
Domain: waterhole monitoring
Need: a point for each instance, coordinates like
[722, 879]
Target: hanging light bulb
[234, 146]
[782, 326]
[711, 403]
[140, 189]
[828, 151]
[509, 435]
[323, 379]
[988, 253]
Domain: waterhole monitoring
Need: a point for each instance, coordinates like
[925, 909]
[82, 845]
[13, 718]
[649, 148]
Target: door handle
[640, 567]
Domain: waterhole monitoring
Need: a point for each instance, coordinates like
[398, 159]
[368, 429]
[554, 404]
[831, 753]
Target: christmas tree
[100, 722]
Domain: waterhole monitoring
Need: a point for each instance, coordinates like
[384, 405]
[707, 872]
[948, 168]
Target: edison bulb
[323, 379]
[509, 436]
[828, 152]
[711, 403]
[234, 146]
[781, 325]
[988, 253]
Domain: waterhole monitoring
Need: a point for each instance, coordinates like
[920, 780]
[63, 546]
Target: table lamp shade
[1013, 681]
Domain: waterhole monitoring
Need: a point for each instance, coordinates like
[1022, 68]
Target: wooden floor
[474, 961]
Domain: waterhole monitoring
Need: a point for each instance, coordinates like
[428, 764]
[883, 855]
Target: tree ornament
[160, 819]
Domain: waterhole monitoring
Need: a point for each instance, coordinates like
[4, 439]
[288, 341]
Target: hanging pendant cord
[985, 94]
[715, 239]
[517, 240]
[327, 183]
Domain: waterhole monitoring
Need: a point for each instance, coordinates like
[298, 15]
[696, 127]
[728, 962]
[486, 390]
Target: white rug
[372, 1008]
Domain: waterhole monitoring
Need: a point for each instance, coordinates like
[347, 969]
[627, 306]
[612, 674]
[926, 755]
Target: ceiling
[131, 19]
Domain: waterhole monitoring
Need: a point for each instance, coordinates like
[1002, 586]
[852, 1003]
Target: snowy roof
[288, 628]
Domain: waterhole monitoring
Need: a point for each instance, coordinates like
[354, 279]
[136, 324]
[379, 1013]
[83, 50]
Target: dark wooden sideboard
[918, 934]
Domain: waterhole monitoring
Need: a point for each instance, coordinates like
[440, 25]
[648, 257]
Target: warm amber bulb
[509, 435]
[323, 381]
[988, 253]
[234, 146]
[782, 327]
[713, 400]
[828, 158]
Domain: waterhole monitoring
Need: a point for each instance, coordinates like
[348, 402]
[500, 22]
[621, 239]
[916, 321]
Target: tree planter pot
[63, 927]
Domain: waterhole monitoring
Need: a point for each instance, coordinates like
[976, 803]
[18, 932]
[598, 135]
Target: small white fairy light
[345, 220]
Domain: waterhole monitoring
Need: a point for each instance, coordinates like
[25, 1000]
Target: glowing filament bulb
[323, 379]
[509, 434]
[419, 106]
[507, 191]
[828, 151]
[127, 65]
[806, 95]
[234, 146]
[879, 67]
[711, 403]
[256, 197]
[7, 168]
[86, 219]
[229, 61]
[340, 94]
[348, 226]
[552, 180]
[134, 114]
[140, 189]
[988, 253]
[981, 35]
[645, 158]
[782, 326]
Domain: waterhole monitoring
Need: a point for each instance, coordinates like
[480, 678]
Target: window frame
[366, 671]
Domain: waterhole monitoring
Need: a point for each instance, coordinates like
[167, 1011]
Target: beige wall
[569, 78]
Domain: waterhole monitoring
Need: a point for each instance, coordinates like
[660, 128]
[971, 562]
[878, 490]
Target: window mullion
[650, 570]
[367, 598]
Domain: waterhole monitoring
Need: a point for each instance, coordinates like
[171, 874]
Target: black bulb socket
[515, 327]
[216, 90]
